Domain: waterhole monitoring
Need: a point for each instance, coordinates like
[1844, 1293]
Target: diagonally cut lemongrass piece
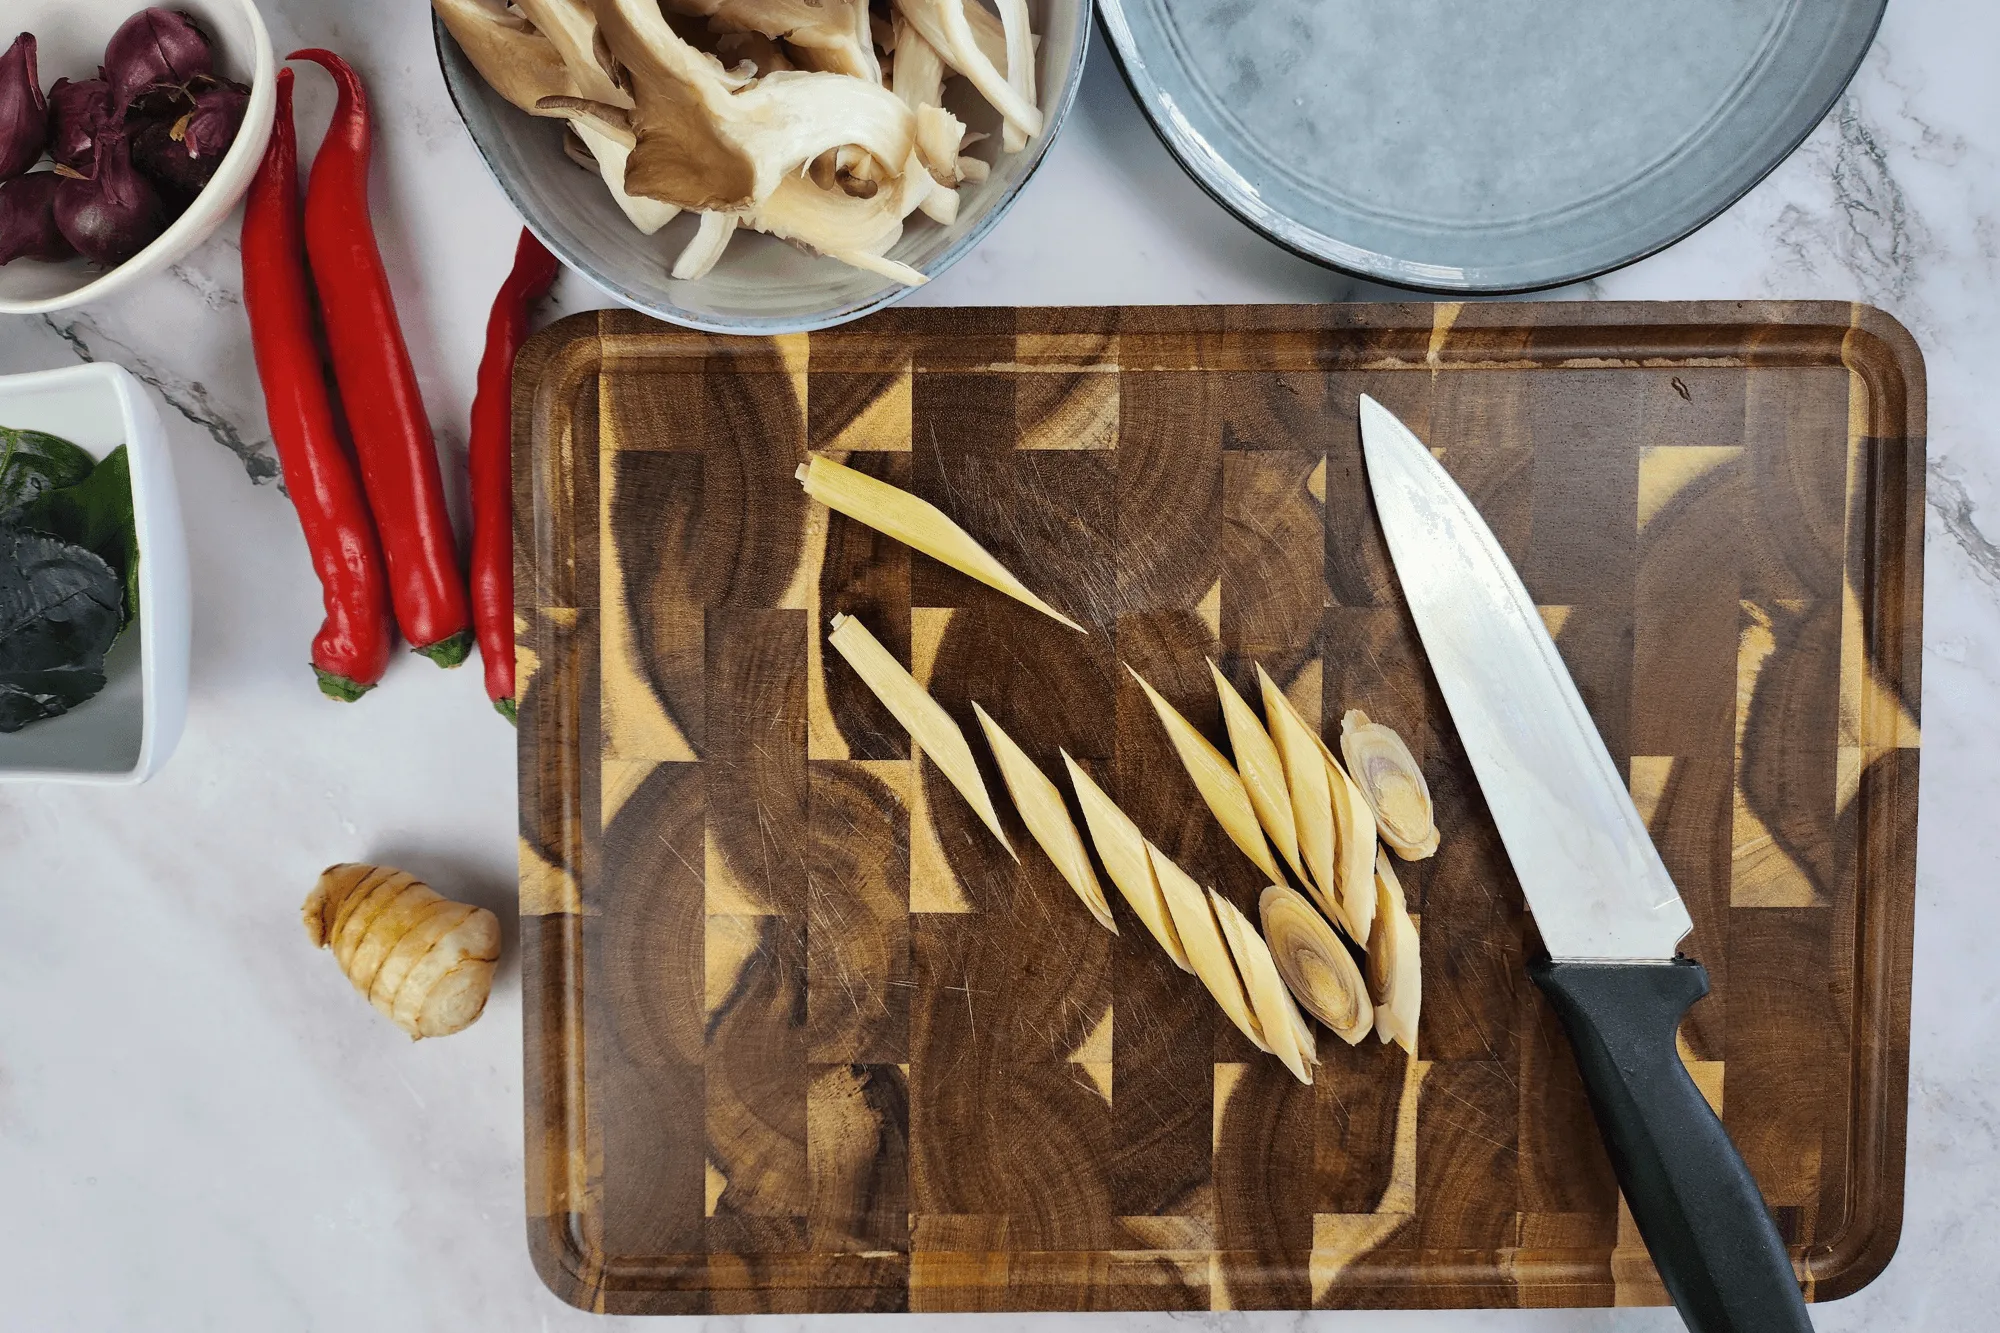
[1395, 972]
[922, 716]
[1354, 850]
[1312, 800]
[1308, 1043]
[1262, 770]
[1042, 810]
[1219, 784]
[1195, 922]
[1388, 775]
[1349, 899]
[1276, 1014]
[916, 523]
[1315, 964]
[1122, 848]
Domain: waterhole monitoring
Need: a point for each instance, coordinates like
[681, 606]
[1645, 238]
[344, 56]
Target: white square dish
[127, 731]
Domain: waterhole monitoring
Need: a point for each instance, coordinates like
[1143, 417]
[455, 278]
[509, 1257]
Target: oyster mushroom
[1020, 67]
[918, 79]
[606, 134]
[831, 36]
[571, 27]
[711, 238]
[948, 27]
[519, 63]
[704, 140]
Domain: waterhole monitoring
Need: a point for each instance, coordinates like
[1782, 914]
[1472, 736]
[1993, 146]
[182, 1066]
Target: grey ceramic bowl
[1460, 147]
[762, 286]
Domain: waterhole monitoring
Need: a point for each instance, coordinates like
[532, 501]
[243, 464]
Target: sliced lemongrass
[1122, 848]
[1315, 964]
[1388, 775]
[1277, 1016]
[1308, 1043]
[933, 729]
[1042, 810]
[1354, 851]
[1194, 921]
[1220, 785]
[1306, 781]
[916, 523]
[1262, 770]
[1395, 972]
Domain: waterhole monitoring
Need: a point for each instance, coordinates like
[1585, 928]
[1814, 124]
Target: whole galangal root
[424, 961]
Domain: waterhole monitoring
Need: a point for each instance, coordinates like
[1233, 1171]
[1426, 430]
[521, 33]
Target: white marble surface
[200, 1127]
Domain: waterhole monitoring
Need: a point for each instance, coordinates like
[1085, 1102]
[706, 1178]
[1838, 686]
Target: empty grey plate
[1489, 147]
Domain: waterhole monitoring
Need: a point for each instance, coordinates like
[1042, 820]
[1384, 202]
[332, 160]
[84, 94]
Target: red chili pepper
[491, 462]
[352, 646]
[378, 385]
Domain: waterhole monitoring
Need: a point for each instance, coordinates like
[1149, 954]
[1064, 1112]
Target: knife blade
[1603, 901]
[1584, 858]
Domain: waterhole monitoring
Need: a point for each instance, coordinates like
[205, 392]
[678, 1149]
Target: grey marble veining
[202, 1128]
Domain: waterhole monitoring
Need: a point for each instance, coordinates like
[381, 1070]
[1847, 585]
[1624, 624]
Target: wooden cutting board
[800, 1037]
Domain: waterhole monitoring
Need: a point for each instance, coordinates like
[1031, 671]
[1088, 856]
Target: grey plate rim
[1330, 252]
[775, 326]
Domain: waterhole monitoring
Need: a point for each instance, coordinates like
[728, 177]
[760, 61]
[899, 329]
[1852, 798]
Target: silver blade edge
[1584, 858]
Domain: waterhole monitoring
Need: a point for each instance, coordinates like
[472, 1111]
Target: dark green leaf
[32, 461]
[32, 696]
[59, 611]
[96, 514]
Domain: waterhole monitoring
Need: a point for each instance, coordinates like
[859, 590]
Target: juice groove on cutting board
[800, 1036]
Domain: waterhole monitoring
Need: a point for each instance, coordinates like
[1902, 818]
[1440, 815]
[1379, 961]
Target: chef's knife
[1606, 908]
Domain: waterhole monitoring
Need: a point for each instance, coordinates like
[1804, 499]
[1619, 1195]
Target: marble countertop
[201, 1128]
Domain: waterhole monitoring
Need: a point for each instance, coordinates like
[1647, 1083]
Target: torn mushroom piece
[832, 36]
[571, 27]
[848, 170]
[709, 141]
[519, 63]
[1020, 70]
[605, 133]
[759, 52]
[918, 78]
[711, 238]
[948, 27]
[930, 727]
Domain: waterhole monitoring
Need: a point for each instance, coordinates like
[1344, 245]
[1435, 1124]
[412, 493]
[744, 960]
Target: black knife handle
[1696, 1204]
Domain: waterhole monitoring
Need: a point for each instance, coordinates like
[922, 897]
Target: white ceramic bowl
[762, 285]
[127, 731]
[70, 35]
